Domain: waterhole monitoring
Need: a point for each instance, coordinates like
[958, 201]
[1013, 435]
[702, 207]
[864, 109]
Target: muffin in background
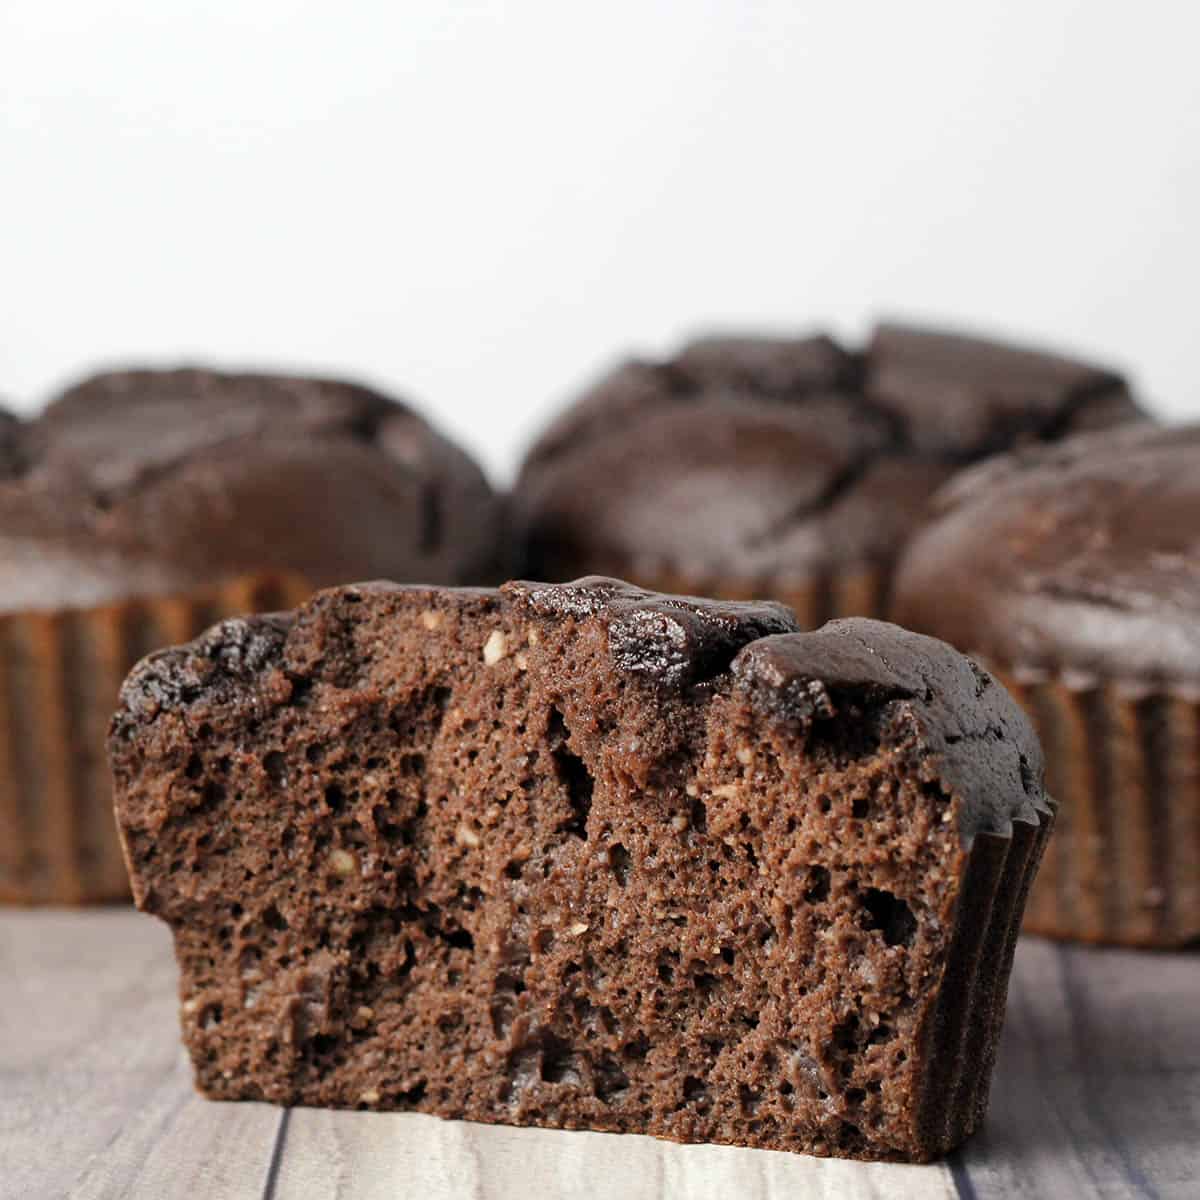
[785, 468]
[1073, 573]
[142, 506]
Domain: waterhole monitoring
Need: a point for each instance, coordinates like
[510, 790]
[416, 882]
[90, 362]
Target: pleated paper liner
[964, 1032]
[856, 590]
[60, 672]
[1124, 766]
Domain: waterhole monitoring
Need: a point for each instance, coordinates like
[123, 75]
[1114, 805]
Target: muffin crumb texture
[587, 857]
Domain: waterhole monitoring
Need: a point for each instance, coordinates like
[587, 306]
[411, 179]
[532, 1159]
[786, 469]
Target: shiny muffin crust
[153, 482]
[786, 467]
[1074, 572]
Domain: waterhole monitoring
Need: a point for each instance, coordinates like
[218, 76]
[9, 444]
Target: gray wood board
[1097, 1093]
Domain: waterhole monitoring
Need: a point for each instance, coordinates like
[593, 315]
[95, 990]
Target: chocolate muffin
[787, 468]
[588, 857]
[1073, 571]
[140, 507]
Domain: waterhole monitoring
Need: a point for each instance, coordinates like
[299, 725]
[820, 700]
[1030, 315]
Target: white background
[479, 205]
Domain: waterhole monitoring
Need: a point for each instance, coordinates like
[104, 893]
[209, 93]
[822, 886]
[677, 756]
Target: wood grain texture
[1097, 1093]
[343, 1155]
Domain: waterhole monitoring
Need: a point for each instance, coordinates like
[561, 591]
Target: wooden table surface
[1097, 1093]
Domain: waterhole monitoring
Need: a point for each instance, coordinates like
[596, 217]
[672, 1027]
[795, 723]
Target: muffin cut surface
[586, 856]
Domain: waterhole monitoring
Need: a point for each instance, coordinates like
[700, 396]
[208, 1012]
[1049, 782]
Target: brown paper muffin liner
[857, 590]
[1124, 766]
[60, 672]
[964, 1032]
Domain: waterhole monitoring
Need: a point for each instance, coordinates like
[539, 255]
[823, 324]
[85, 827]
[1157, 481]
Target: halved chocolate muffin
[786, 468]
[140, 507]
[588, 857]
[1073, 572]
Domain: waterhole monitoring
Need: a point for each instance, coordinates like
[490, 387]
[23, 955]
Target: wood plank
[1097, 1093]
[362, 1155]
[96, 1097]
[85, 1037]
[178, 1144]
[1097, 1089]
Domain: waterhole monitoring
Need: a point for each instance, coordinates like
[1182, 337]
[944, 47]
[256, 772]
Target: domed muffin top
[140, 482]
[1081, 558]
[914, 696]
[758, 457]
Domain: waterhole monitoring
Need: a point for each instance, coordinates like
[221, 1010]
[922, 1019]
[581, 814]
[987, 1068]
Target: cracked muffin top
[1081, 558]
[760, 458]
[148, 482]
[915, 695]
